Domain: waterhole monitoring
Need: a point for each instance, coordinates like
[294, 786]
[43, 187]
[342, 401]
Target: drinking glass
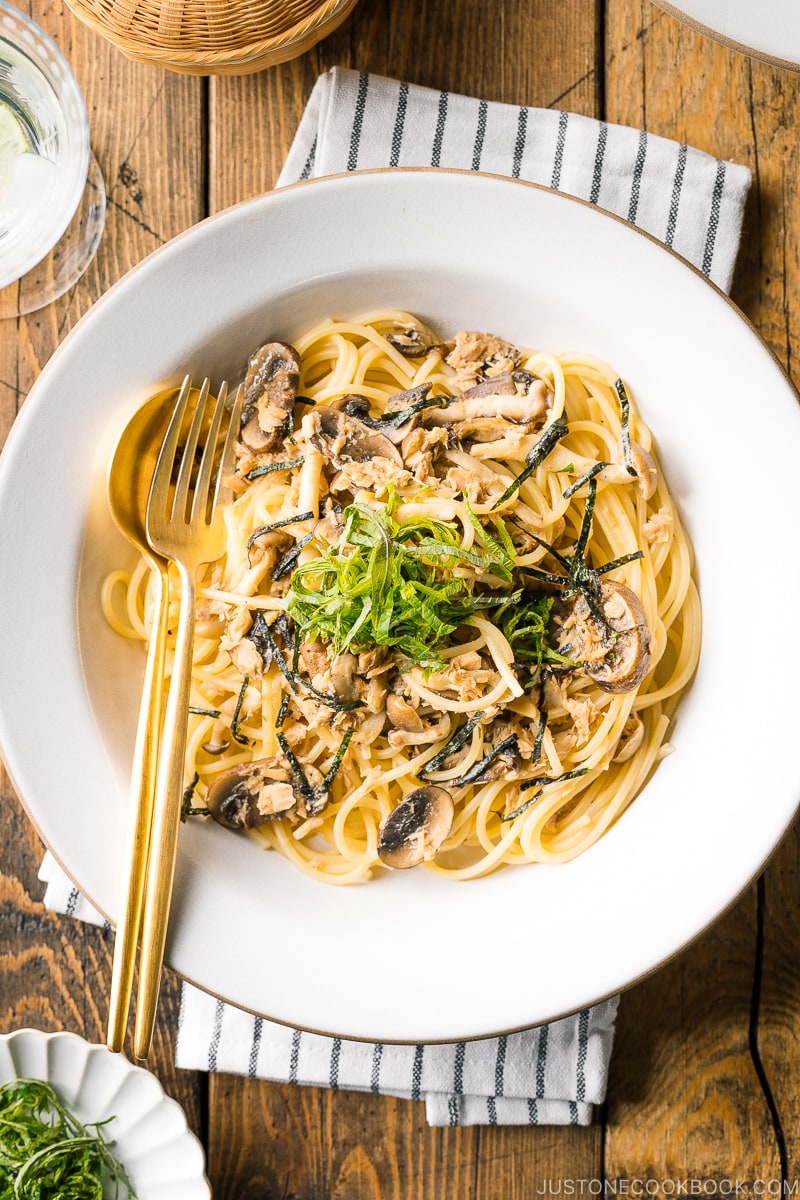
[52, 195]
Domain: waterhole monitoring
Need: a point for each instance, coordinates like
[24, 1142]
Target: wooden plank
[685, 1095]
[493, 51]
[281, 1140]
[778, 1027]
[273, 1140]
[148, 133]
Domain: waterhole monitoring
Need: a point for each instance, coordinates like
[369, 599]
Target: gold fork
[185, 523]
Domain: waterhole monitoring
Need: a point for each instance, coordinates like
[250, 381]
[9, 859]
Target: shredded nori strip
[522, 807]
[257, 472]
[479, 769]
[315, 797]
[536, 456]
[540, 783]
[306, 516]
[236, 718]
[543, 780]
[401, 415]
[282, 711]
[187, 808]
[264, 633]
[456, 742]
[205, 712]
[537, 745]
[587, 475]
[285, 564]
[619, 562]
[303, 786]
[579, 549]
[333, 769]
[625, 416]
[260, 633]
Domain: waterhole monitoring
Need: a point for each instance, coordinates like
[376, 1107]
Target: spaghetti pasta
[451, 567]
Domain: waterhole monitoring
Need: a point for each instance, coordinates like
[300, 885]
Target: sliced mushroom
[646, 477]
[527, 408]
[402, 716]
[344, 439]
[616, 651]
[355, 405]
[414, 831]
[630, 740]
[412, 341]
[270, 390]
[251, 793]
[343, 670]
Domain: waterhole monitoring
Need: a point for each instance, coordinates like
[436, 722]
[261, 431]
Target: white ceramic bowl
[413, 957]
[162, 1157]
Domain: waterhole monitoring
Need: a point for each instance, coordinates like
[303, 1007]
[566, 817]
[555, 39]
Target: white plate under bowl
[769, 30]
[410, 956]
[162, 1157]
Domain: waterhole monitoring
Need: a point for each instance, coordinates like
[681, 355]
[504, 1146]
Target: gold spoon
[130, 474]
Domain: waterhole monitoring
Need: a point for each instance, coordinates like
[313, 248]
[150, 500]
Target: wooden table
[704, 1097]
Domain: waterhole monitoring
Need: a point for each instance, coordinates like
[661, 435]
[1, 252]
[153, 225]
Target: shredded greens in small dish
[46, 1153]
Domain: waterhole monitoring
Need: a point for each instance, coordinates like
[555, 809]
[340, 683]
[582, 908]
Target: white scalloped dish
[162, 1157]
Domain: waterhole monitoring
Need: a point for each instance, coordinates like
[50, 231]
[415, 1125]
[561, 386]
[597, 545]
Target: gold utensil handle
[166, 822]
[143, 780]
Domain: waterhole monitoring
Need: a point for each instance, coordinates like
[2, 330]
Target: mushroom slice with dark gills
[270, 390]
[614, 651]
[344, 439]
[251, 793]
[400, 415]
[414, 831]
[498, 402]
[412, 341]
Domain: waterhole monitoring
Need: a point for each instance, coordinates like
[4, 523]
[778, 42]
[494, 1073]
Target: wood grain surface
[703, 1088]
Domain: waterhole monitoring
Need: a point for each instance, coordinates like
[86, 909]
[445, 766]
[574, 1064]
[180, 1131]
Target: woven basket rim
[312, 26]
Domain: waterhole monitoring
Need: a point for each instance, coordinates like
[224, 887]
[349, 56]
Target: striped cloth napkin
[556, 1073]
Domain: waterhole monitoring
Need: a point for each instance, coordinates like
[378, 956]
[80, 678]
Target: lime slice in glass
[14, 141]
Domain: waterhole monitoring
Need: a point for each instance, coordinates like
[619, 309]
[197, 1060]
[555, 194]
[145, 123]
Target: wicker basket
[212, 37]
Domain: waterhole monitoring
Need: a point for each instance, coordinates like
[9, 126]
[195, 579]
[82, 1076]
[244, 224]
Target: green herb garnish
[524, 625]
[389, 584]
[47, 1154]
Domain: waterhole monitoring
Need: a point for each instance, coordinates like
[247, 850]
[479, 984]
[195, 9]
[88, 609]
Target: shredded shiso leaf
[384, 583]
[47, 1154]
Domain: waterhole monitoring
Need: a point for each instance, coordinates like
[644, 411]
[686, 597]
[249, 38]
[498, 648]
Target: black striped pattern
[358, 120]
[438, 137]
[636, 182]
[480, 134]
[675, 199]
